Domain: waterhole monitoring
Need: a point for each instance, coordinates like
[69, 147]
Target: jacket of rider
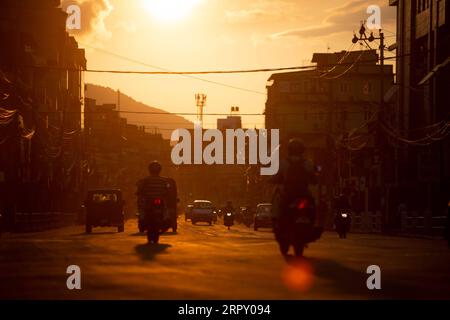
[292, 180]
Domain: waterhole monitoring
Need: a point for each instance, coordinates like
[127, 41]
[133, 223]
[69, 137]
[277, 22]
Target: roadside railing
[366, 222]
[415, 224]
[39, 221]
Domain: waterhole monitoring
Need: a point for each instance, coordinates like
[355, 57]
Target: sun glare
[170, 10]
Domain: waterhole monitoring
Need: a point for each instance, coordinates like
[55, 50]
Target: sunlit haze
[212, 34]
[169, 10]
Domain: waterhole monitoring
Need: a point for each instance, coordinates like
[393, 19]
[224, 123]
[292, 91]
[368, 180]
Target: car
[187, 213]
[203, 211]
[104, 208]
[263, 217]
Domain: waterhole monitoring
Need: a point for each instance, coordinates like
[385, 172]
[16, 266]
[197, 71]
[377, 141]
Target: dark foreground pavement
[210, 262]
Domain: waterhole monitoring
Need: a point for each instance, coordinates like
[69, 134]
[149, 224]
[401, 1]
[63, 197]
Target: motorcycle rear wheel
[152, 236]
[298, 250]
[284, 247]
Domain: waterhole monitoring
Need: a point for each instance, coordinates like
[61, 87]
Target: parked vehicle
[104, 208]
[140, 223]
[202, 211]
[248, 217]
[188, 212]
[263, 217]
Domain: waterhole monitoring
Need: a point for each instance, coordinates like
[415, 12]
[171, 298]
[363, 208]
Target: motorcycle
[155, 220]
[248, 220]
[343, 223]
[239, 217]
[228, 220]
[296, 226]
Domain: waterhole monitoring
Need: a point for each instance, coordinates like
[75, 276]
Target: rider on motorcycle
[229, 208]
[295, 175]
[155, 186]
[342, 219]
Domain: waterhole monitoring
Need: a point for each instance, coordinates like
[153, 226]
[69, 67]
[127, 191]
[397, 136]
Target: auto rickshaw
[104, 208]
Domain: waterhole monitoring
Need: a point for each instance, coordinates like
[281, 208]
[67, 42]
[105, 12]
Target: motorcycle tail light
[157, 202]
[302, 204]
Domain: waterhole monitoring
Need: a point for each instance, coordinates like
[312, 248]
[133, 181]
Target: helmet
[296, 147]
[155, 168]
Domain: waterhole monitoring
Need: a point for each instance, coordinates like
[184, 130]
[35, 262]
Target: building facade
[333, 109]
[43, 90]
[422, 114]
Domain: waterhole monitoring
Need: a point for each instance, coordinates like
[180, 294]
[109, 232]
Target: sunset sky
[213, 34]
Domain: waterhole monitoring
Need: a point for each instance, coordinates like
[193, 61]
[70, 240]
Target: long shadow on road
[351, 281]
[99, 233]
[148, 251]
[142, 234]
[343, 278]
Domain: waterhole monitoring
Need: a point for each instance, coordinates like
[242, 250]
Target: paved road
[203, 262]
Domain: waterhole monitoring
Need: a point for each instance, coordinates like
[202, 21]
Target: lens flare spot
[298, 276]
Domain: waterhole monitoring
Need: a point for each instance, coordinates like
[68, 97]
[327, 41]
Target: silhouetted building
[42, 74]
[421, 118]
[117, 153]
[231, 122]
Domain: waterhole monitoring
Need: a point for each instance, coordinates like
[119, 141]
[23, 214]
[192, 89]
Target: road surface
[210, 262]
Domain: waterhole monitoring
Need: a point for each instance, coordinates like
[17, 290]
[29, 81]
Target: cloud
[93, 16]
[264, 11]
[342, 19]
[128, 26]
[238, 16]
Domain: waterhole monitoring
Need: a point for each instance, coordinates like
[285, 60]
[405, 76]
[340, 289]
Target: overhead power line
[241, 71]
[167, 70]
[211, 114]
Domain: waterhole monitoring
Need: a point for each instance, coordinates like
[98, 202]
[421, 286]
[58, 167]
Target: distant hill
[163, 123]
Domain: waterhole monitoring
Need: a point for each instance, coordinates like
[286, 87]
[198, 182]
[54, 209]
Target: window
[344, 87]
[422, 5]
[203, 205]
[264, 210]
[104, 197]
[367, 88]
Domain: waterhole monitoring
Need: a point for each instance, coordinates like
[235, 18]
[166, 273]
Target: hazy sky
[214, 34]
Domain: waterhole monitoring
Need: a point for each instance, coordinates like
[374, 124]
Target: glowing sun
[170, 10]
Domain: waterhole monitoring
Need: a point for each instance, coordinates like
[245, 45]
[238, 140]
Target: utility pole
[118, 100]
[200, 98]
[364, 38]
